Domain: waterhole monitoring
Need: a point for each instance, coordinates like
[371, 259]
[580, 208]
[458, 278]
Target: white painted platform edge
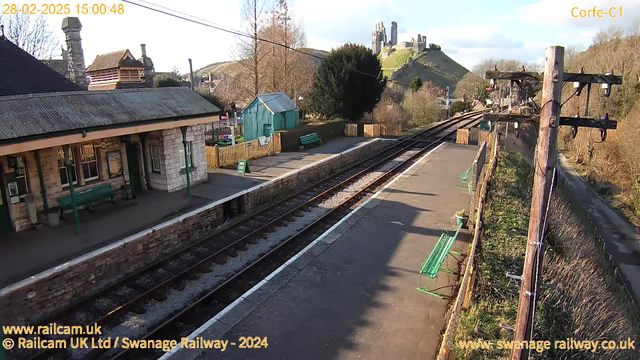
[30, 280]
[256, 287]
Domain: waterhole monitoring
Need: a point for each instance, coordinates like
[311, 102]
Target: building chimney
[71, 27]
[149, 72]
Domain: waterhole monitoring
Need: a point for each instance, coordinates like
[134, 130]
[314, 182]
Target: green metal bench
[88, 196]
[434, 262]
[310, 139]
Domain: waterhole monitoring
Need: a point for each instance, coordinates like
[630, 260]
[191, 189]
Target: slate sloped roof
[277, 102]
[25, 116]
[21, 73]
[113, 60]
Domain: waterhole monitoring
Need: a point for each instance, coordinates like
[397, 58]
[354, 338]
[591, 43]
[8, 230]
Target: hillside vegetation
[431, 65]
[232, 67]
[611, 167]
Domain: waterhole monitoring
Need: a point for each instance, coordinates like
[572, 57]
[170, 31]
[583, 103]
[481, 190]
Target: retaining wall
[61, 287]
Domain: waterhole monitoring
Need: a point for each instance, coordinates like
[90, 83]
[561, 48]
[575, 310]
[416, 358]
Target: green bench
[310, 139]
[434, 262]
[87, 196]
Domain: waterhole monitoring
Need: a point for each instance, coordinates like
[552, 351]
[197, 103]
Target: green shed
[268, 113]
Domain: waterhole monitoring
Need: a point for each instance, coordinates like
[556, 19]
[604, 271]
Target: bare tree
[248, 50]
[33, 36]
[288, 71]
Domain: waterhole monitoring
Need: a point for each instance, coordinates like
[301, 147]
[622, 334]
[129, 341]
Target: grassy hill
[232, 67]
[430, 65]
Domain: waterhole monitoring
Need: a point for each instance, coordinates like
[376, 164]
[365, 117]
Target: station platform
[30, 252]
[352, 293]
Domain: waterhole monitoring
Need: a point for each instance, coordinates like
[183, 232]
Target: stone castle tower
[394, 33]
[71, 27]
[379, 37]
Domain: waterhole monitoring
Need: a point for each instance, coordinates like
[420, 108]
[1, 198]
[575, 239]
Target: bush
[422, 108]
[460, 106]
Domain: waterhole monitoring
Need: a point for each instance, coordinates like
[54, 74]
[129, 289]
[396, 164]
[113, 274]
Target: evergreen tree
[416, 84]
[348, 83]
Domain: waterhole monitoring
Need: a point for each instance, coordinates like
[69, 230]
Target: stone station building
[131, 140]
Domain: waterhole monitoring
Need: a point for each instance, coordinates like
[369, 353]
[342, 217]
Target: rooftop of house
[275, 102]
[26, 117]
[21, 73]
[113, 60]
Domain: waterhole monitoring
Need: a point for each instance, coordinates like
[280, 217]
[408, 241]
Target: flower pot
[462, 220]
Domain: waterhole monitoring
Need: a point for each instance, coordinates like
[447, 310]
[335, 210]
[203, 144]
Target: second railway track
[174, 295]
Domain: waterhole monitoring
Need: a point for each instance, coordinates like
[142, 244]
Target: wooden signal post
[544, 164]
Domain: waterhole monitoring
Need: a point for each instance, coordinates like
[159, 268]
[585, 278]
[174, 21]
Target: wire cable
[212, 25]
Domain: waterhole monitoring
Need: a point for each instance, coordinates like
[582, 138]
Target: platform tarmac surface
[30, 252]
[354, 296]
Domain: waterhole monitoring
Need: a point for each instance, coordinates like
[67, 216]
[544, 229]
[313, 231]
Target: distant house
[121, 70]
[268, 113]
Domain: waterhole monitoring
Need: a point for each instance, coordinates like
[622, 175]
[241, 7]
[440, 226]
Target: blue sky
[468, 31]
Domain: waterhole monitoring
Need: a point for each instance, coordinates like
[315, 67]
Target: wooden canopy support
[564, 120]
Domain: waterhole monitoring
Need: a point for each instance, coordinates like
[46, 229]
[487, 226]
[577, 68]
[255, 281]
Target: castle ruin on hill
[379, 40]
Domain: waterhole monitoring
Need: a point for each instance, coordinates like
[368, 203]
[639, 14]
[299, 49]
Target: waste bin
[53, 216]
[31, 208]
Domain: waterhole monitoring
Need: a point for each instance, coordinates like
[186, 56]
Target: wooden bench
[87, 197]
[310, 139]
[434, 262]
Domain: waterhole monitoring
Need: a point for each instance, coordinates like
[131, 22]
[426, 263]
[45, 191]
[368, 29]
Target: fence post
[216, 153]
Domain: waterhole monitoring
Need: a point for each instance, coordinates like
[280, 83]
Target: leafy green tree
[348, 83]
[416, 84]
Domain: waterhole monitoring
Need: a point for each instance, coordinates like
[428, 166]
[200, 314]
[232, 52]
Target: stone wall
[175, 174]
[171, 176]
[62, 287]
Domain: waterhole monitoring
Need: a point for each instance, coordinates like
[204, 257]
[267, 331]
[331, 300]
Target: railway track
[192, 284]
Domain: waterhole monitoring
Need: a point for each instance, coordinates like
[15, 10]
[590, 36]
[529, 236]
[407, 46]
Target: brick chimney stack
[71, 27]
[149, 72]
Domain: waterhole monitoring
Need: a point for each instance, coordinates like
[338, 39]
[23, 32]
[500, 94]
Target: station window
[21, 176]
[156, 158]
[64, 178]
[89, 162]
[189, 156]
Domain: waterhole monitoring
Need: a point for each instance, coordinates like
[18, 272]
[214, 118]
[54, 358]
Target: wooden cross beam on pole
[564, 120]
[568, 77]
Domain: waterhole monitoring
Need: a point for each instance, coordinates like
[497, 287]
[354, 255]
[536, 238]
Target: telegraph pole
[544, 165]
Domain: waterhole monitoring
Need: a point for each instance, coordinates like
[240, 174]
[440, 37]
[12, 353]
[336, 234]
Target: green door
[5, 219]
[134, 167]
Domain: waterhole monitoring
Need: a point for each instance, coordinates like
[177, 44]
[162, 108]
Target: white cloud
[469, 45]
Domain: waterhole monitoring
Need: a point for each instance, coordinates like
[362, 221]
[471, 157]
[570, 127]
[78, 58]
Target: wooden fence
[468, 279]
[351, 130]
[218, 157]
[378, 130]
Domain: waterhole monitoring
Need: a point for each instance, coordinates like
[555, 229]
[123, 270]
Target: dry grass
[585, 302]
